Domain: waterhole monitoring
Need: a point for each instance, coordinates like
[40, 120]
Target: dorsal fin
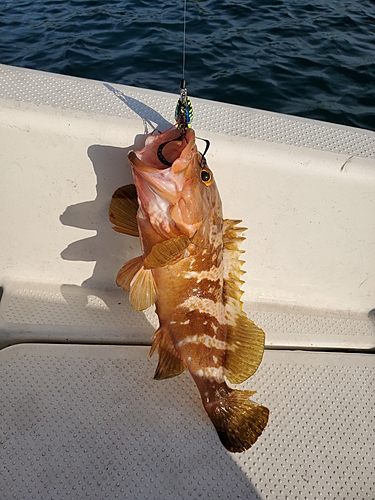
[245, 340]
[245, 349]
[169, 364]
[123, 210]
[166, 252]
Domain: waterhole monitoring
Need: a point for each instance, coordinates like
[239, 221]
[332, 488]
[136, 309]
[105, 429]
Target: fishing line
[184, 110]
[184, 42]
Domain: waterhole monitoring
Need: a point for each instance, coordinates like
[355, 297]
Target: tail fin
[238, 421]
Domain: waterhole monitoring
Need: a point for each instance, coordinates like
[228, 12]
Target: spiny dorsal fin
[123, 210]
[128, 271]
[143, 290]
[230, 230]
[166, 252]
[233, 243]
[245, 340]
[169, 364]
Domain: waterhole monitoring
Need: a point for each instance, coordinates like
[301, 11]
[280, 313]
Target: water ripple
[314, 59]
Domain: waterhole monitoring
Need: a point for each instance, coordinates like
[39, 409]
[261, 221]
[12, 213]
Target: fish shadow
[107, 249]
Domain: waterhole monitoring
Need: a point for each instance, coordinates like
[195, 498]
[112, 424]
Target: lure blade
[184, 113]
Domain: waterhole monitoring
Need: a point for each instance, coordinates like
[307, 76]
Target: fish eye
[206, 176]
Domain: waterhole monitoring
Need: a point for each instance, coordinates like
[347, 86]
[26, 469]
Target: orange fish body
[190, 269]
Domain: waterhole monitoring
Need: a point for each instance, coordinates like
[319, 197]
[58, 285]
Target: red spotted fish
[190, 269]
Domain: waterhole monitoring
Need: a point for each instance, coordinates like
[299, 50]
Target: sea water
[309, 58]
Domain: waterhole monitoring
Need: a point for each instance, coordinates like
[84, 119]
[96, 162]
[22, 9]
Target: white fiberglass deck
[87, 421]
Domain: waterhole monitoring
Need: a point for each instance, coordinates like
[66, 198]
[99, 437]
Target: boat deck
[81, 416]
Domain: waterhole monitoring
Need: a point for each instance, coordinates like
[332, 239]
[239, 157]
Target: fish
[191, 269]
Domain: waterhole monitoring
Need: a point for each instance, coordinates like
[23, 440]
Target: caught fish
[190, 269]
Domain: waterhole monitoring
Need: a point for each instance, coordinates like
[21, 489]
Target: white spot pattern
[205, 306]
[212, 274]
[205, 340]
[212, 373]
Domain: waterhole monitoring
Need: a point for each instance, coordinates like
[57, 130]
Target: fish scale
[191, 270]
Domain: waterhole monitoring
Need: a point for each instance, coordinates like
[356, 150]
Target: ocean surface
[309, 58]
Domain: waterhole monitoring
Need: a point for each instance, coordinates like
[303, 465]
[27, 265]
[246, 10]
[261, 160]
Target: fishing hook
[159, 152]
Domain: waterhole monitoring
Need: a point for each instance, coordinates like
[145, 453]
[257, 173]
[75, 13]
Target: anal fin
[123, 210]
[169, 364]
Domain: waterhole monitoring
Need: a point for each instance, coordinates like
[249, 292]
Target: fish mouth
[152, 174]
[170, 150]
[167, 177]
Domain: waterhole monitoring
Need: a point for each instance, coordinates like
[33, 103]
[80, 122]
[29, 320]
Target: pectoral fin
[140, 281]
[128, 271]
[143, 290]
[166, 252]
[169, 364]
[123, 210]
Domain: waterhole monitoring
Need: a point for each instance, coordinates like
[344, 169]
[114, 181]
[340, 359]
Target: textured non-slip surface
[294, 327]
[41, 88]
[47, 312]
[89, 422]
[35, 312]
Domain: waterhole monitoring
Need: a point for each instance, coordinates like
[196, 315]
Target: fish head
[176, 190]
